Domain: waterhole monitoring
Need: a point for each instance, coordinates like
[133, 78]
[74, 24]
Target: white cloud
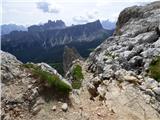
[70, 11]
[47, 7]
[92, 15]
[80, 19]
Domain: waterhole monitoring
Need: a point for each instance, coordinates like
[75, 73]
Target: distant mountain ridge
[50, 25]
[108, 24]
[7, 28]
[49, 44]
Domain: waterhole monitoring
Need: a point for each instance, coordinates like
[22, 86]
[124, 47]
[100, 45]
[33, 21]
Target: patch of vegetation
[77, 77]
[154, 69]
[52, 80]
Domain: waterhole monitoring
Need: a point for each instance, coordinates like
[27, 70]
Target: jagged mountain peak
[50, 25]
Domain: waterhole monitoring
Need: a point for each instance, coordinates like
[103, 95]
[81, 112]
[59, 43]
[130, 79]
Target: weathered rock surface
[64, 107]
[122, 61]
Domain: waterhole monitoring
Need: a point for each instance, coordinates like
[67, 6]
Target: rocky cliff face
[69, 55]
[120, 64]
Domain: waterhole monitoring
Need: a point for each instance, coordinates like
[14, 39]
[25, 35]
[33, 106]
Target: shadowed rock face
[122, 61]
[69, 55]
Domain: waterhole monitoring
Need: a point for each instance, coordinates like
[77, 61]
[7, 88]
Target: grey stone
[96, 80]
[149, 92]
[54, 108]
[65, 107]
[92, 89]
[150, 83]
[157, 90]
[36, 110]
[101, 90]
[157, 43]
[107, 74]
[136, 61]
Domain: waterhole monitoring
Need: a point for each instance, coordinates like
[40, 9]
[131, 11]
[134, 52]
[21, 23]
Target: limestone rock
[54, 108]
[48, 68]
[92, 89]
[65, 107]
[157, 90]
[124, 59]
[101, 90]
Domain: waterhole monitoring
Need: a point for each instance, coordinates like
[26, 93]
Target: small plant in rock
[77, 76]
[109, 54]
[154, 69]
[52, 80]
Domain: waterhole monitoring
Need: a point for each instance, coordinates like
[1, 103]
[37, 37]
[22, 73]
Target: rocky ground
[22, 98]
[116, 83]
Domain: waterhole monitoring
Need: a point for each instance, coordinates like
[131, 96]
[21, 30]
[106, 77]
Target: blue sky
[27, 12]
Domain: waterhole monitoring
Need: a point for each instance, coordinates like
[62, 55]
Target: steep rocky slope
[121, 63]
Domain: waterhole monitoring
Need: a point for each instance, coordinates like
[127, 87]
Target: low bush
[52, 80]
[154, 69]
[77, 77]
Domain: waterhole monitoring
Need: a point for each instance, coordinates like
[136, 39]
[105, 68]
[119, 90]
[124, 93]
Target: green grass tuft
[77, 77]
[154, 69]
[52, 80]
